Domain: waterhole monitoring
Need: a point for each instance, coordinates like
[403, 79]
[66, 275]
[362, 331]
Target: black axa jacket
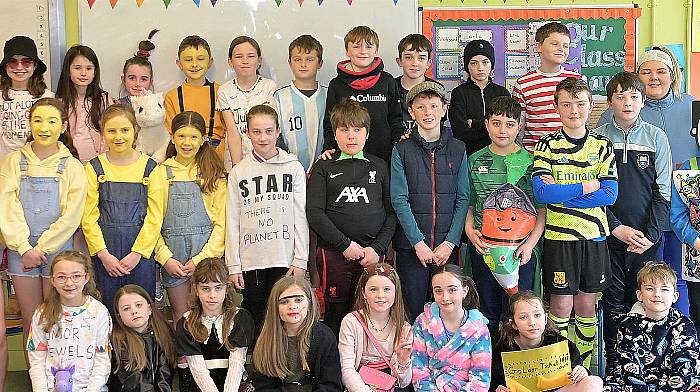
[156, 377]
[467, 111]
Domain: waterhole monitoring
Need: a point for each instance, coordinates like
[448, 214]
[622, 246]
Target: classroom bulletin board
[113, 29]
[603, 41]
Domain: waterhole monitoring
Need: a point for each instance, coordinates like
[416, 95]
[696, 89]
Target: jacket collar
[634, 126]
[442, 140]
[662, 103]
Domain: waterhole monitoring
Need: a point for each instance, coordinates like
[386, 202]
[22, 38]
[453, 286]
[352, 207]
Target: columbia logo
[563, 160]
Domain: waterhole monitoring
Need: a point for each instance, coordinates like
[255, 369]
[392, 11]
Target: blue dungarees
[41, 204]
[123, 207]
[186, 226]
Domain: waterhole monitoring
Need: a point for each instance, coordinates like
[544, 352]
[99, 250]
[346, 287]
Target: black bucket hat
[21, 45]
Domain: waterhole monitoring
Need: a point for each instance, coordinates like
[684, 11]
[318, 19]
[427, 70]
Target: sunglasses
[15, 62]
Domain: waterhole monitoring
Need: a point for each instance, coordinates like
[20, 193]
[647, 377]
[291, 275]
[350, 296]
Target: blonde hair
[123, 110]
[269, 356]
[52, 310]
[210, 270]
[361, 33]
[128, 345]
[397, 313]
[677, 83]
[657, 272]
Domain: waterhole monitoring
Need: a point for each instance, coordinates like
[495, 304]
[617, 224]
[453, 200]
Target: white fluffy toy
[150, 115]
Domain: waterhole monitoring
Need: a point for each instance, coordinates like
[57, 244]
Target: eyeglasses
[379, 269]
[15, 62]
[76, 278]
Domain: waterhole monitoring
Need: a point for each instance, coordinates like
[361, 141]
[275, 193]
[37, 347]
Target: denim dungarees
[41, 204]
[186, 226]
[123, 207]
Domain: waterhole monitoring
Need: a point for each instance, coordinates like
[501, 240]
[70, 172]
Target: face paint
[187, 141]
[194, 62]
[46, 125]
[119, 134]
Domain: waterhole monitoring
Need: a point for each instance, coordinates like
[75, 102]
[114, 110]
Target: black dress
[213, 349]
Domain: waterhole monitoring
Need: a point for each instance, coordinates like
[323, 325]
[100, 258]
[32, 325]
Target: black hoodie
[468, 102]
[381, 100]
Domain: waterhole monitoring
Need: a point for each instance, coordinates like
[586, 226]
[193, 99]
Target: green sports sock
[562, 324]
[585, 337]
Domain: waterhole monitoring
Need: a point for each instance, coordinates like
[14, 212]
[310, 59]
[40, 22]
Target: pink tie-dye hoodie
[460, 363]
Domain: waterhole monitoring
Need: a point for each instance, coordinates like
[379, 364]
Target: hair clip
[383, 269]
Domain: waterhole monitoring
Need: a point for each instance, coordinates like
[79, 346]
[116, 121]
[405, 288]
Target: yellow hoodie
[133, 173]
[214, 203]
[72, 190]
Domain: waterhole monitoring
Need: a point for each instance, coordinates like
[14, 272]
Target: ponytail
[210, 166]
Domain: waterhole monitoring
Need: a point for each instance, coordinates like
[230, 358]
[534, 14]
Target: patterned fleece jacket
[461, 362]
[655, 355]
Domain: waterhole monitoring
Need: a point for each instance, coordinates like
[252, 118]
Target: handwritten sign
[447, 39]
[516, 40]
[546, 363]
[448, 65]
[516, 66]
[471, 35]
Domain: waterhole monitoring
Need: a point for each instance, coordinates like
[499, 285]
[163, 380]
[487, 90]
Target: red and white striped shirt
[534, 91]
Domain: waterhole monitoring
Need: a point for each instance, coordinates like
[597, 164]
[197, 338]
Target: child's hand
[424, 253]
[296, 272]
[404, 346]
[129, 261]
[405, 135]
[33, 258]
[111, 264]
[237, 280]
[578, 374]
[474, 236]
[547, 179]
[501, 388]
[524, 253]
[631, 236]
[590, 186]
[174, 268]
[370, 257]
[326, 155]
[189, 267]
[639, 250]
[696, 244]
[353, 252]
[442, 254]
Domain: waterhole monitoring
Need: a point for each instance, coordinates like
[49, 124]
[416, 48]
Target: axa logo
[353, 194]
